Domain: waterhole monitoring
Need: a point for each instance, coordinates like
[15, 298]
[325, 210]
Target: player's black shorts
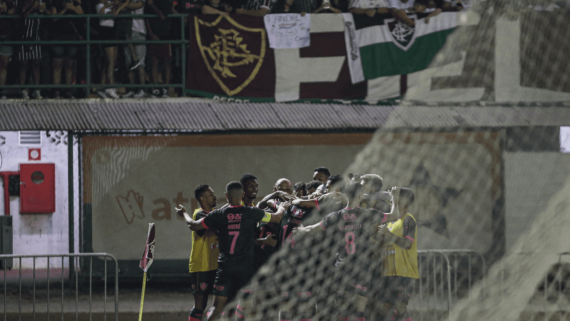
[394, 289]
[203, 282]
[229, 280]
[351, 280]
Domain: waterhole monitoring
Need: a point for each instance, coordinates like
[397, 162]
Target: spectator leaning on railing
[368, 7]
[135, 54]
[160, 29]
[216, 7]
[399, 9]
[6, 31]
[286, 6]
[29, 29]
[334, 6]
[420, 6]
[63, 29]
[107, 31]
[256, 8]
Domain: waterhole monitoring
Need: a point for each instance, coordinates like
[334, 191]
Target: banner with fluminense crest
[384, 46]
[229, 58]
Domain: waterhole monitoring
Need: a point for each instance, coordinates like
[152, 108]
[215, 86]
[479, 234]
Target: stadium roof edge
[188, 115]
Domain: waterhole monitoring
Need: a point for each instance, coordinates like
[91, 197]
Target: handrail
[87, 42]
[62, 256]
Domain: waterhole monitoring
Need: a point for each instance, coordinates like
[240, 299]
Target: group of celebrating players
[362, 241]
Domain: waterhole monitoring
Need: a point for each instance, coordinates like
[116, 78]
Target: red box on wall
[37, 188]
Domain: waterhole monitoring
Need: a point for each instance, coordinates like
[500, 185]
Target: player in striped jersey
[204, 256]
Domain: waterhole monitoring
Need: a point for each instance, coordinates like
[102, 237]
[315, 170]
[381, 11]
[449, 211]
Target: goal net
[476, 139]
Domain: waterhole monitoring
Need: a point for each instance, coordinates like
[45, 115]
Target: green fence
[88, 43]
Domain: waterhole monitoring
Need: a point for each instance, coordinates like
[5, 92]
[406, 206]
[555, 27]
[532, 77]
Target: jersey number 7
[233, 247]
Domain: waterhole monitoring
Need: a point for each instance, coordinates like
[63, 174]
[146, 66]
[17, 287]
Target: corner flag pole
[142, 297]
[146, 261]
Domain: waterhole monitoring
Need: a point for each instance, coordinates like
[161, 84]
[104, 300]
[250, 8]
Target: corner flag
[146, 261]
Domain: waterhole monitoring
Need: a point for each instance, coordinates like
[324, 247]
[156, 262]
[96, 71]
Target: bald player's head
[234, 192]
[284, 185]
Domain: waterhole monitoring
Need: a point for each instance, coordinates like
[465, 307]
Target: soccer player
[281, 190]
[374, 197]
[204, 254]
[281, 193]
[305, 309]
[250, 187]
[311, 187]
[349, 230]
[400, 263]
[236, 225]
[335, 183]
[300, 189]
[321, 174]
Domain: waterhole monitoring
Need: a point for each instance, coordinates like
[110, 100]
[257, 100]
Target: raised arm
[121, 6]
[193, 225]
[206, 9]
[75, 8]
[278, 194]
[105, 6]
[394, 214]
[256, 13]
[402, 16]
[433, 14]
[311, 229]
[278, 216]
[307, 203]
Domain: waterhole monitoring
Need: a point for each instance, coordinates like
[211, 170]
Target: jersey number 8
[350, 245]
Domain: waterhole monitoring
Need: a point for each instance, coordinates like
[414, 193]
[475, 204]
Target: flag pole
[146, 261]
[142, 297]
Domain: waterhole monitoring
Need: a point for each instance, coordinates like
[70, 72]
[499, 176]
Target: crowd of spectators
[114, 63]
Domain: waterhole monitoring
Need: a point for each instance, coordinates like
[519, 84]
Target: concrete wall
[531, 179]
[132, 181]
[39, 233]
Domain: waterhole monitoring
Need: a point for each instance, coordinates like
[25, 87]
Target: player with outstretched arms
[204, 255]
[349, 231]
[236, 227]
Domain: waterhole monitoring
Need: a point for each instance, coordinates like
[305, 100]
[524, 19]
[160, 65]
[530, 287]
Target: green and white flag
[383, 46]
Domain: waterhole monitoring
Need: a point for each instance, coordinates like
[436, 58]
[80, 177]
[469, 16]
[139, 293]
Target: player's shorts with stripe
[394, 289]
[203, 282]
[230, 279]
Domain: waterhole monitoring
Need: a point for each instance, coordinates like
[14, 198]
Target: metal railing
[76, 261]
[88, 42]
[445, 277]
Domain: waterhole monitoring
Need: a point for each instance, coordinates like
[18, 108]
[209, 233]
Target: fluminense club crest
[233, 53]
[403, 35]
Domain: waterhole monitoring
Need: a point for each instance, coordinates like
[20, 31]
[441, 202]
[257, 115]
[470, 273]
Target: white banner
[287, 31]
